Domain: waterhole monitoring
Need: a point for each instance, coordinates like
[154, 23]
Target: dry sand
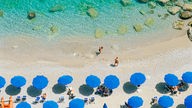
[29, 57]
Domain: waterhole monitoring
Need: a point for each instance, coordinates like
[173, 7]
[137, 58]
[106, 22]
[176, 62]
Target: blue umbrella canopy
[40, 82]
[23, 105]
[93, 81]
[65, 79]
[105, 105]
[137, 78]
[50, 104]
[187, 77]
[135, 102]
[76, 103]
[18, 81]
[165, 101]
[111, 81]
[171, 79]
[188, 101]
[2, 82]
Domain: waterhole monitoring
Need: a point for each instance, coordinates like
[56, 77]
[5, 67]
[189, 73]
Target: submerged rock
[54, 29]
[151, 11]
[174, 10]
[189, 34]
[190, 23]
[187, 7]
[163, 2]
[152, 5]
[185, 15]
[142, 12]
[143, 1]
[138, 27]
[56, 8]
[125, 2]
[99, 33]
[179, 3]
[149, 22]
[1, 13]
[179, 24]
[165, 16]
[123, 29]
[31, 15]
[92, 12]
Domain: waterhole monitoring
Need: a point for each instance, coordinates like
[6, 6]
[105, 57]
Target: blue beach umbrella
[50, 104]
[188, 101]
[111, 81]
[187, 77]
[18, 81]
[93, 81]
[165, 101]
[65, 79]
[76, 103]
[105, 105]
[137, 78]
[171, 79]
[135, 102]
[40, 82]
[23, 105]
[2, 82]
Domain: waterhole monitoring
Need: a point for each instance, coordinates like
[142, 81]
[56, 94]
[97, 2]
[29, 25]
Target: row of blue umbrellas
[111, 81]
[172, 80]
[40, 81]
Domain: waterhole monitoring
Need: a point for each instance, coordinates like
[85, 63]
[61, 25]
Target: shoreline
[78, 52]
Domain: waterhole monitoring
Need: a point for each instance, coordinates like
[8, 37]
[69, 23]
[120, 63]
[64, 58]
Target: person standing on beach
[100, 50]
[116, 62]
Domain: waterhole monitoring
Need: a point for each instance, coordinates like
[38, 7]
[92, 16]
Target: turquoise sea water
[73, 20]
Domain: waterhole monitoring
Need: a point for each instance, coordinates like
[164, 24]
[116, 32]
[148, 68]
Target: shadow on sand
[33, 92]
[58, 89]
[129, 88]
[12, 90]
[85, 90]
[180, 106]
[160, 87]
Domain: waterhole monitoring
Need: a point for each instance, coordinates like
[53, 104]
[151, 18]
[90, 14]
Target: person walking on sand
[116, 62]
[100, 50]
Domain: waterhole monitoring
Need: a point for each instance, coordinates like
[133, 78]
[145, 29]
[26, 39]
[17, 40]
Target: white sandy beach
[29, 57]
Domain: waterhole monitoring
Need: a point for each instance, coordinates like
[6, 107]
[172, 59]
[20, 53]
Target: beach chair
[42, 100]
[24, 98]
[18, 99]
[86, 100]
[167, 89]
[37, 100]
[61, 99]
[92, 100]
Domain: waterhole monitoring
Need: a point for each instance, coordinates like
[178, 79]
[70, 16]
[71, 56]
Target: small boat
[189, 34]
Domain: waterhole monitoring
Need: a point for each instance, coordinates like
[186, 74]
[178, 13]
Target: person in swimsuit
[116, 62]
[100, 50]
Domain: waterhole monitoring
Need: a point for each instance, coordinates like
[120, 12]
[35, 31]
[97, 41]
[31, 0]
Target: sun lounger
[86, 100]
[37, 100]
[42, 99]
[167, 88]
[18, 99]
[61, 99]
[92, 100]
[127, 106]
[24, 98]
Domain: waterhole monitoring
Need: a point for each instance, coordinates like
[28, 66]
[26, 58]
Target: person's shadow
[97, 53]
[112, 65]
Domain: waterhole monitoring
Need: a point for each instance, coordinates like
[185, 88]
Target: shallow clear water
[73, 20]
